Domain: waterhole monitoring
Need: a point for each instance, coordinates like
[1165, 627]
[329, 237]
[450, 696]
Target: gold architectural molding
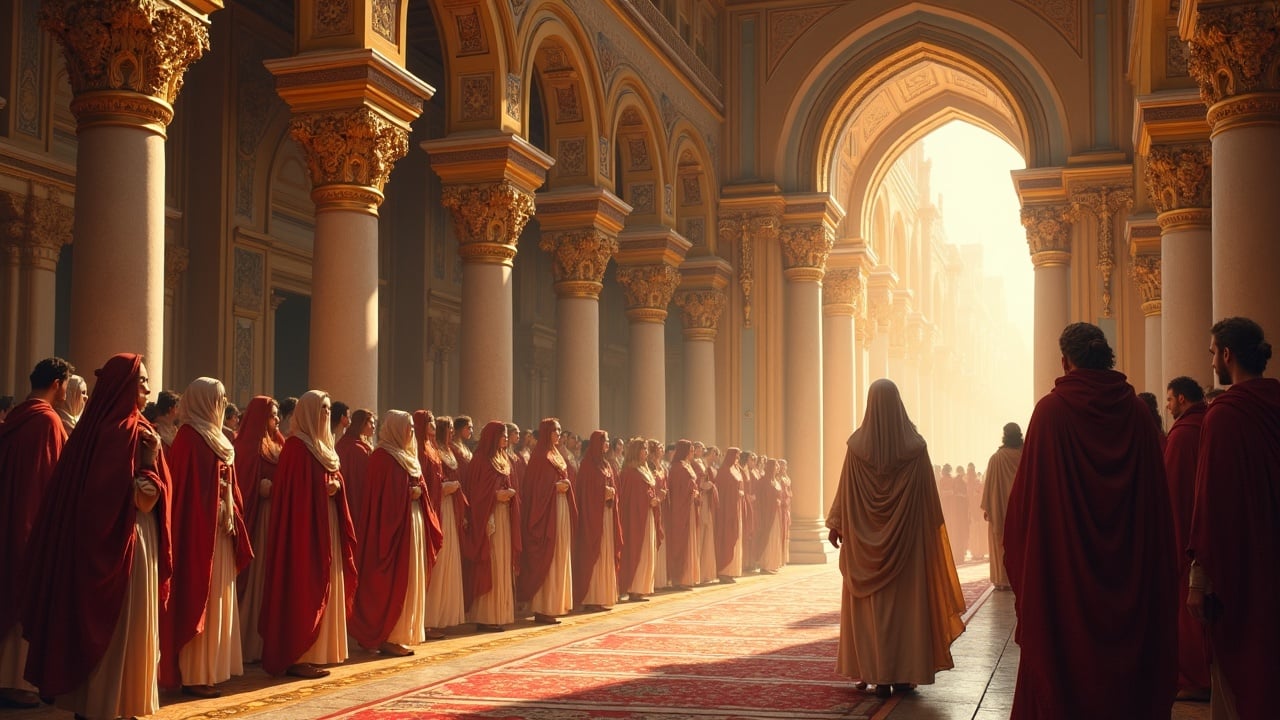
[701, 311]
[125, 46]
[749, 230]
[842, 291]
[804, 251]
[1185, 219]
[354, 146]
[1105, 202]
[1146, 273]
[1235, 57]
[1179, 176]
[1049, 233]
[648, 290]
[37, 224]
[96, 108]
[488, 219]
[579, 260]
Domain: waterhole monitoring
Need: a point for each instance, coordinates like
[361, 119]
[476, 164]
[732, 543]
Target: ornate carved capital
[1146, 273]
[38, 224]
[842, 291]
[1049, 233]
[701, 310]
[488, 219]
[579, 259]
[176, 259]
[1235, 54]
[132, 46]
[805, 249]
[648, 289]
[749, 230]
[1179, 176]
[355, 148]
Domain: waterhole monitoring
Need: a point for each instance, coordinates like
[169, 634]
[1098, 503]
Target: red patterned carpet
[767, 653]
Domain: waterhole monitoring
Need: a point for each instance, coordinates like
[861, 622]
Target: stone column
[39, 224]
[489, 181]
[125, 62]
[841, 293]
[805, 247]
[579, 228]
[1049, 238]
[1146, 273]
[1234, 50]
[880, 323]
[353, 132]
[1178, 178]
[701, 311]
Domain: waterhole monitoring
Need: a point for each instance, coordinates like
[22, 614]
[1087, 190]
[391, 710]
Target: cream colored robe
[498, 606]
[995, 502]
[445, 605]
[555, 597]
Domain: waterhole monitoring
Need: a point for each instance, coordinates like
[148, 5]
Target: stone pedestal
[1049, 239]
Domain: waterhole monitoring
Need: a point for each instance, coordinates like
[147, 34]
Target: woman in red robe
[661, 579]
[100, 559]
[354, 448]
[446, 603]
[599, 534]
[787, 494]
[402, 536]
[769, 519]
[492, 542]
[729, 512]
[200, 643]
[708, 503]
[641, 528]
[258, 444]
[550, 512]
[310, 561]
[682, 523]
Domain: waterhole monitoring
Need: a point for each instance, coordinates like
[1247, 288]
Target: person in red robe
[31, 440]
[401, 538]
[1089, 547]
[729, 512]
[100, 562]
[258, 444]
[311, 577]
[1184, 399]
[770, 542]
[493, 555]
[543, 534]
[446, 604]
[639, 501]
[682, 524]
[354, 448]
[787, 495]
[200, 642]
[597, 493]
[1235, 526]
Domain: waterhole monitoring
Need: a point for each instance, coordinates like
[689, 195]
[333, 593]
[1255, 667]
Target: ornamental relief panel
[571, 157]
[386, 19]
[332, 17]
[477, 97]
[471, 39]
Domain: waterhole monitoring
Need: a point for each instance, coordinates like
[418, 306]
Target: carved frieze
[648, 290]
[805, 249]
[350, 147]
[1179, 176]
[1105, 202]
[1235, 51]
[141, 46]
[488, 219]
[701, 311]
[579, 260]
[1049, 232]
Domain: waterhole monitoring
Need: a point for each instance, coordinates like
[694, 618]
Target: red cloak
[434, 474]
[1089, 548]
[768, 503]
[1235, 537]
[31, 439]
[635, 503]
[538, 506]
[594, 476]
[1181, 451]
[296, 590]
[353, 453]
[196, 471]
[81, 547]
[384, 556]
[729, 509]
[251, 465]
[682, 497]
[481, 485]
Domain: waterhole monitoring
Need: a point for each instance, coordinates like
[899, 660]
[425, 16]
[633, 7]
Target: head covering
[356, 429]
[73, 405]
[489, 445]
[395, 435]
[201, 407]
[595, 455]
[425, 435]
[444, 426]
[887, 437]
[683, 448]
[312, 427]
[545, 448]
[253, 436]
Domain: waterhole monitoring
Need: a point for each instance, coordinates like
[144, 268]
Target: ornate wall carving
[1146, 273]
[1235, 50]
[806, 247]
[785, 26]
[1179, 176]
[176, 259]
[332, 17]
[488, 219]
[1105, 202]
[29, 106]
[477, 97]
[1049, 232]
[701, 311]
[748, 231]
[648, 289]
[37, 224]
[579, 260]
[386, 19]
[843, 286]
[514, 96]
[1063, 15]
[350, 147]
[249, 279]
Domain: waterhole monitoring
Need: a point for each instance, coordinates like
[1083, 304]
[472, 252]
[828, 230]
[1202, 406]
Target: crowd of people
[1143, 565]
[167, 544]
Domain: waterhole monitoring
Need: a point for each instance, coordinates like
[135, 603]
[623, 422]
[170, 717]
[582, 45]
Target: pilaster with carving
[488, 219]
[1235, 56]
[648, 290]
[1105, 202]
[1146, 273]
[579, 260]
[1179, 180]
[1049, 233]
[701, 311]
[750, 231]
[350, 154]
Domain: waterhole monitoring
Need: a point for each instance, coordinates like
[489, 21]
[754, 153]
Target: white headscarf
[395, 435]
[887, 437]
[71, 408]
[201, 407]
[312, 427]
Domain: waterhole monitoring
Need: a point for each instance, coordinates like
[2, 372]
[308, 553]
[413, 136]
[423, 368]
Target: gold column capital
[648, 290]
[842, 291]
[350, 153]
[126, 58]
[804, 251]
[701, 311]
[1179, 176]
[1049, 232]
[37, 224]
[579, 260]
[488, 219]
[1146, 274]
[1235, 49]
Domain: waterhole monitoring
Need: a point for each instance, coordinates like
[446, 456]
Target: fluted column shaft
[1049, 238]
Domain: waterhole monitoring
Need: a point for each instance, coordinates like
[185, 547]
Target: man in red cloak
[1089, 547]
[31, 439]
[1235, 526]
[1184, 399]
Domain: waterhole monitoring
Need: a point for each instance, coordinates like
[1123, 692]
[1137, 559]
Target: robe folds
[635, 504]
[539, 513]
[81, 550]
[682, 488]
[198, 492]
[1089, 548]
[354, 452]
[1235, 537]
[1001, 470]
[385, 556]
[482, 485]
[299, 556]
[1181, 450]
[729, 510]
[589, 538]
[31, 440]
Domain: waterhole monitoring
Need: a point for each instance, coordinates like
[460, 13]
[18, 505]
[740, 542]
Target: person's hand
[450, 487]
[835, 538]
[654, 501]
[148, 448]
[562, 486]
[332, 486]
[609, 492]
[415, 492]
[145, 495]
[264, 488]
[1196, 604]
